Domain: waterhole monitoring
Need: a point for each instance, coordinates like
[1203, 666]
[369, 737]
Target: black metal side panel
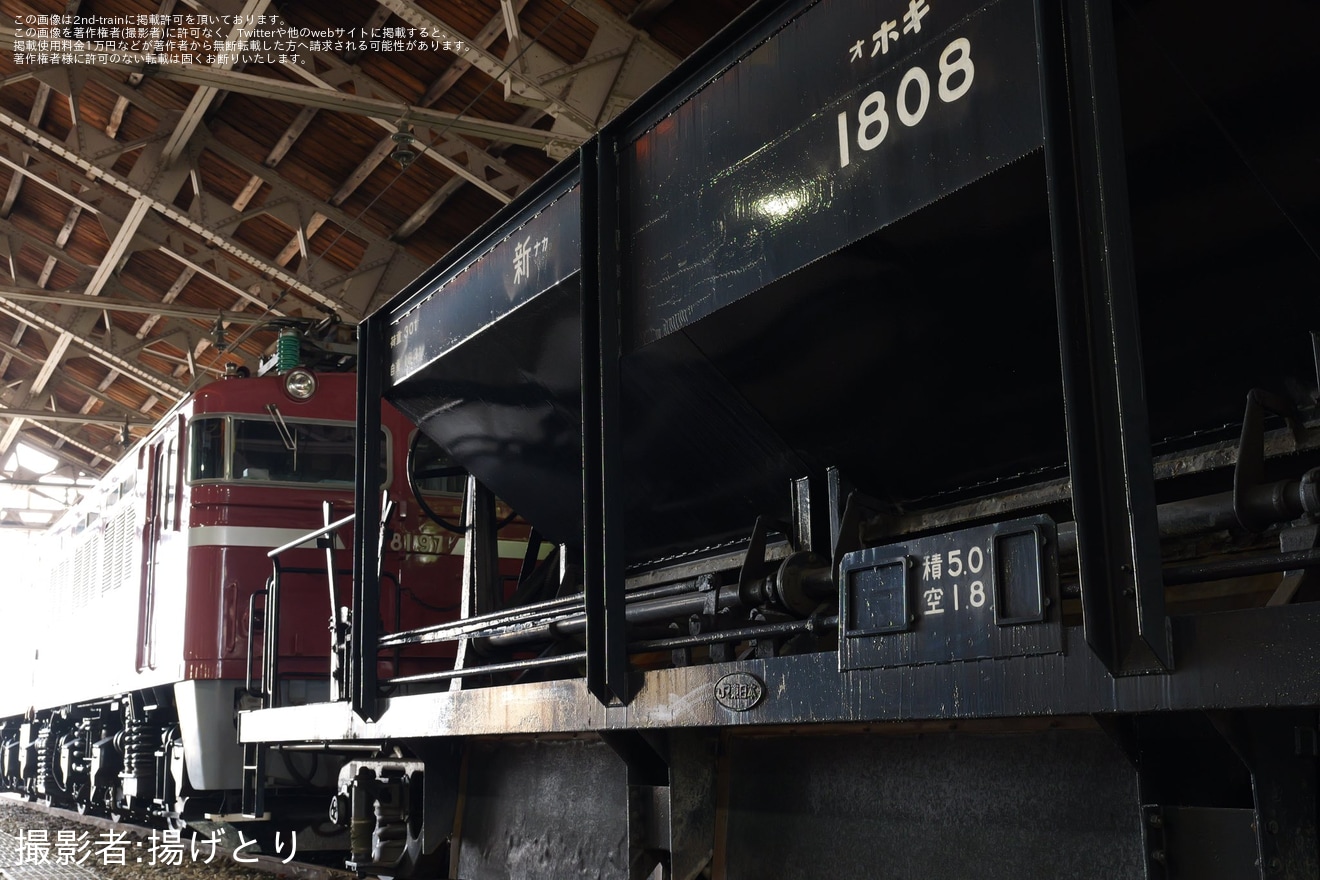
[943, 806]
[484, 356]
[700, 461]
[987, 591]
[539, 248]
[544, 810]
[921, 360]
[836, 125]
[792, 298]
[506, 405]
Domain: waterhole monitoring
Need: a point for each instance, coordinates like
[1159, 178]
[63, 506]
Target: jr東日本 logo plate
[739, 691]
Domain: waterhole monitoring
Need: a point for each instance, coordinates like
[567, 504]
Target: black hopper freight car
[919, 398]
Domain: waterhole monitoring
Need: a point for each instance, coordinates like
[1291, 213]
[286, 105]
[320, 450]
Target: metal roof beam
[97, 454]
[155, 382]
[46, 483]
[19, 354]
[482, 168]
[115, 304]
[484, 38]
[440, 143]
[170, 296]
[34, 117]
[163, 206]
[42, 415]
[203, 97]
[425, 210]
[604, 17]
[15, 428]
[646, 12]
[102, 386]
[276, 155]
[428, 208]
[343, 290]
[516, 86]
[620, 64]
[12, 429]
[82, 325]
[208, 216]
[290, 136]
[9, 354]
[44, 445]
[378, 154]
[357, 105]
[65, 183]
[375, 20]
[15, 239]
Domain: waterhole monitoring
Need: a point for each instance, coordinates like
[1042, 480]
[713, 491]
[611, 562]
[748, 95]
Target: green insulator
[287, 351]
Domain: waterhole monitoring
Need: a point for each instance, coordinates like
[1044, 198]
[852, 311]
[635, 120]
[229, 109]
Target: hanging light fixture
[404, 154]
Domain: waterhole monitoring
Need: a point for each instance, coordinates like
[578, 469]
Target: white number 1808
[913, 97]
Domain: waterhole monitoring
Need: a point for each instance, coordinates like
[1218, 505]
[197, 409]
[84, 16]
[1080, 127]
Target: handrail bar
[311, 536]
[499, 621]
[252, 626]
[270, 658]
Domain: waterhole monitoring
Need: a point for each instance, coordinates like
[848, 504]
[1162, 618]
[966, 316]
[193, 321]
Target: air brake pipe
[332, 748]
[1178, 519]
[528, 615]
[511, 666]
[747, 633]
[801, 583]
[666, 608]
[1210, 513]
[1230, 568]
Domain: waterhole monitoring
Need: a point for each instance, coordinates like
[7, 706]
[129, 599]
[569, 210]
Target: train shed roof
[176, 174]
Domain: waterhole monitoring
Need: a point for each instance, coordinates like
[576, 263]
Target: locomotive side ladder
[254, 753]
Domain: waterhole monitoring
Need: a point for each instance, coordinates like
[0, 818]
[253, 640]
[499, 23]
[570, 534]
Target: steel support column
[602, 517]
[1109, 458]
[1282, 748]
[481, 559]
[366, 530]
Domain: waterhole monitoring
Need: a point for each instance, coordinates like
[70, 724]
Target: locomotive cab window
[275, 450]
[293, 452]
[207, 453]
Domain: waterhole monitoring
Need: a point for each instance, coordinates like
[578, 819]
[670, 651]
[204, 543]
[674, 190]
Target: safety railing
[268, 620]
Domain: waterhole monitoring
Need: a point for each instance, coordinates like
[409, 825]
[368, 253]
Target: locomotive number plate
[989, 591]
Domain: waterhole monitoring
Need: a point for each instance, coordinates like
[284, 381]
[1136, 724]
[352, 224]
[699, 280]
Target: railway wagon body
[146, 629]
[922, 400]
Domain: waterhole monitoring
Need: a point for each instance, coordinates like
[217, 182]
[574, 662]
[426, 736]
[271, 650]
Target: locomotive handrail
[270, 659]
[311, 536]
[252, 621]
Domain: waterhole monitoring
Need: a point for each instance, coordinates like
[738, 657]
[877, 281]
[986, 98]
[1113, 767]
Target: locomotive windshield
[311, 454]
[262, 450]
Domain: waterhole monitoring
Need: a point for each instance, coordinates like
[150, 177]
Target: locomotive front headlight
[300, 384]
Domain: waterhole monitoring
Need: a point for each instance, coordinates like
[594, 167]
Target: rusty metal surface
[1236, 659]
[1038, 805]
[544, 810]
